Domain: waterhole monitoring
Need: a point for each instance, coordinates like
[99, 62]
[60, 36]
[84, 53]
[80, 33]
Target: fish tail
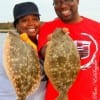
[62, 96]
[21, 98]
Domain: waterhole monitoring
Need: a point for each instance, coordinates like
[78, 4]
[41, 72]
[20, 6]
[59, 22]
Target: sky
[87, 8]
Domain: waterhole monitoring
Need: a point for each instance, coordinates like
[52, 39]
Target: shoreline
[5, 30]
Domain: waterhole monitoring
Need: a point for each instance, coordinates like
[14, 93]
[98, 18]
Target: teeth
[65, 12]
[31, 30]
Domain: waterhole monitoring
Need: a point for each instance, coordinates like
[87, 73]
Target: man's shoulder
[92, 21]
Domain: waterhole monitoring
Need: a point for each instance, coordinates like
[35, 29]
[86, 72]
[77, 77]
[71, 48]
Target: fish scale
[22, 66]
[62, 62]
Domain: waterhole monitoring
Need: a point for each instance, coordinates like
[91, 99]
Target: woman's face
[29, 24]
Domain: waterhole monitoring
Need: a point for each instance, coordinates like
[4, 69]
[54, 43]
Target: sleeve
[42, 38]
[45, 30]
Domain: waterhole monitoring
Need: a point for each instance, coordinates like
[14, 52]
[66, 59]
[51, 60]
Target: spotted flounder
[62, 62]
[22, 66]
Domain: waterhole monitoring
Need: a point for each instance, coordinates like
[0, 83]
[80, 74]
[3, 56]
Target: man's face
[66, 10]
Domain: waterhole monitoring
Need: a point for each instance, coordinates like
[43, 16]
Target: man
[86, 35]
[26, 20]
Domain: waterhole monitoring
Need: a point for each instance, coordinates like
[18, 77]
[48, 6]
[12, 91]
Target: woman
[26, 20]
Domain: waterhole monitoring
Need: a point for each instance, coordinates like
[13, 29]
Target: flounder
[62, 62]
[22, 66]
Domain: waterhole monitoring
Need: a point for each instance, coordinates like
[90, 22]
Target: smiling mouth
[66, 12]
[31, 30]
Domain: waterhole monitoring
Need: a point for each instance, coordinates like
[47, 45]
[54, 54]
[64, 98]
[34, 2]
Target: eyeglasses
[59, 3]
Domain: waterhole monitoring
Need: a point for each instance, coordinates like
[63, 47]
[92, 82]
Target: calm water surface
[2, 37]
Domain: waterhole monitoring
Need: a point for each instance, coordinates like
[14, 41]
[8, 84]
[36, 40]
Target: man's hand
[43, 49]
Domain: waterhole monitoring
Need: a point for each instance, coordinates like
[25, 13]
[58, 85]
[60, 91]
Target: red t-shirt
[86, 35]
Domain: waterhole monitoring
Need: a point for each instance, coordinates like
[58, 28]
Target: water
[6, 89]
[2, 37]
